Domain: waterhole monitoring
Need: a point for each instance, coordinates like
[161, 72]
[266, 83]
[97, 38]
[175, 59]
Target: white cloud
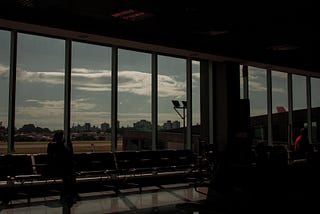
[257, 86]
[82, 104]
[4, 72]
[49, 77]
[134, 82]
[169, 87]
[279, 74]
[257, 80]
[196, 75]
[279, 90]
[194, 62]
[139, 83]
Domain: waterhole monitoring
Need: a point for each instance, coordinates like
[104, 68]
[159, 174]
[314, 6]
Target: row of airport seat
[112, 168]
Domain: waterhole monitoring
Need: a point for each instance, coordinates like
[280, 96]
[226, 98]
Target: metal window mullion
[67, 87]
[154, 98]
[269, 106]
[114, 99]
[309, 116]
[211, 92]
[12, 91]
[290, 110]
[189, 104]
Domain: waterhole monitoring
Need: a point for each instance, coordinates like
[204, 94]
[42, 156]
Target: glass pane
[171, 86]
[299, 114]
[299, 89]
[91, 98]
[134, 100]
[315, 104]
[4, 88]
[258, 104]
[195, 93]
[195, 103]
[40, 91]
[241, 82]
[315, 90]
[279, 107]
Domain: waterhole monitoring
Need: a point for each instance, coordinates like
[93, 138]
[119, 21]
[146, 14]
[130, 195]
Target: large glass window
[171, 86]
[4, 88]
[91, 98]
[39, 92]
[258, 103]
[195, 102]
[299, 99]
[279, 107]
[134, 100]
[315, 109]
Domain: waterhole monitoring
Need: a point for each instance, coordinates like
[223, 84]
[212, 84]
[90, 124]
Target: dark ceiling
[282, 33]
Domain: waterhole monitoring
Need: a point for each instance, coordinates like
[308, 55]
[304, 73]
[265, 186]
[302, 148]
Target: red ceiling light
[285, 47]
[122, 13]
[131, 15]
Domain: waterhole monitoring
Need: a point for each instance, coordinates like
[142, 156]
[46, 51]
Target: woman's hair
[58, 136]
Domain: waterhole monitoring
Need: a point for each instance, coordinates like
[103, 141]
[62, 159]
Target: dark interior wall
[226, 86]
[204, 102]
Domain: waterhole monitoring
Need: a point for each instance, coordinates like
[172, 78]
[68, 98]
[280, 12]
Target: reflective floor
[154, 199]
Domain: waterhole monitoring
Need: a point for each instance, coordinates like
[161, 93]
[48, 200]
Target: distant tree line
[31, 128]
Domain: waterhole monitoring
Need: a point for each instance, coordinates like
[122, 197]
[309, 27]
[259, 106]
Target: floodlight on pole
[184, 103]
[176, 105]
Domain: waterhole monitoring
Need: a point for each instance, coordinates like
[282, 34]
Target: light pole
[176, 105]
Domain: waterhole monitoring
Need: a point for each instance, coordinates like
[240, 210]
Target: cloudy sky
[40, 84]
[258, 91]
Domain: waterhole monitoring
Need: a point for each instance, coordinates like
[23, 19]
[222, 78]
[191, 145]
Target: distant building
[142, 124]
[87, 126]
[167, 125]
[175, 124]
[171, 125]
[105, 127]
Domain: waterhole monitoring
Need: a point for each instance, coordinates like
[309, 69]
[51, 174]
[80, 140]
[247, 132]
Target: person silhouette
[61, 165]
[301, 145]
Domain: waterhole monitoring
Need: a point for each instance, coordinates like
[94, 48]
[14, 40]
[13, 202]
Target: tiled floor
[157, 199]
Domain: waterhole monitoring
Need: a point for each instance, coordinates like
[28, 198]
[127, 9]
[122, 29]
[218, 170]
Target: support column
[231, 129]
[290, 110]
[226, 104]
[154, 101]
[12, 91]
[269, 107]
[188, 129]
[67, 89]
[204, 101]
[114, 100]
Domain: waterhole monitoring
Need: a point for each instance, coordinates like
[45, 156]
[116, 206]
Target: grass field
[78, 147]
